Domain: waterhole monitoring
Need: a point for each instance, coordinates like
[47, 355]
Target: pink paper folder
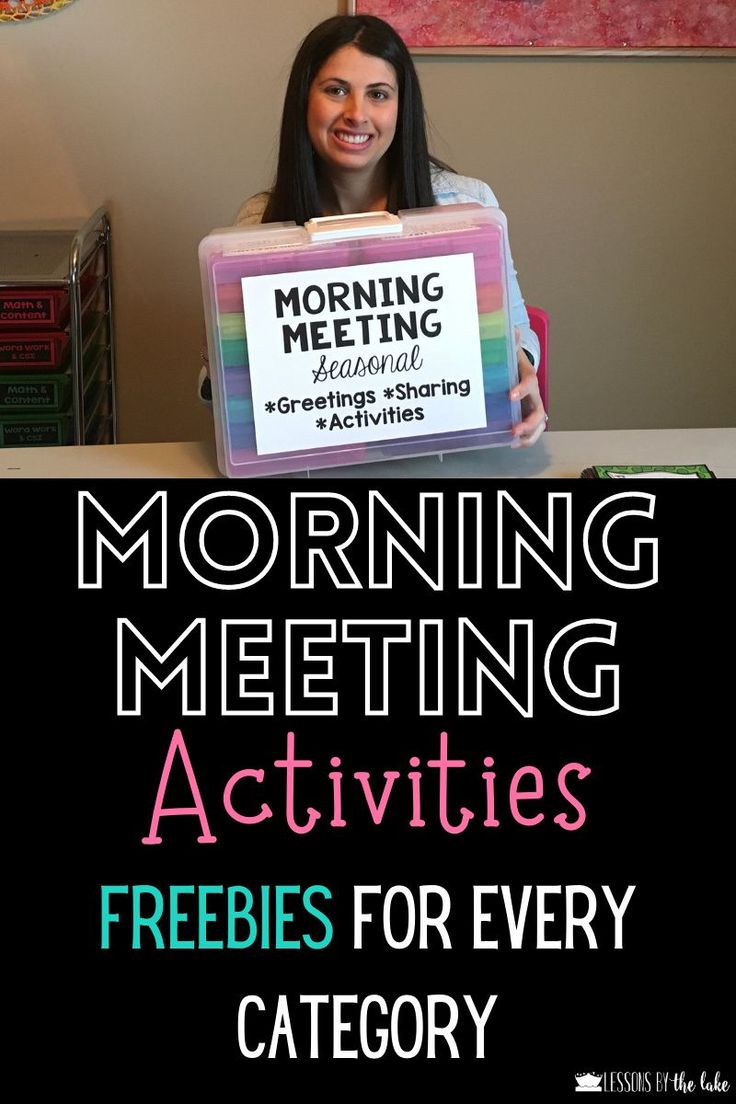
[360, 338]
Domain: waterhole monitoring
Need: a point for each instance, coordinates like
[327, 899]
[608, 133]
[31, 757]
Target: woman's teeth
[353, 139]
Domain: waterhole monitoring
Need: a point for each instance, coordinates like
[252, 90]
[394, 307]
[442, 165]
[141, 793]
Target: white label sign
[373, 352]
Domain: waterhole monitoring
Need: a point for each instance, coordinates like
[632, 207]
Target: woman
[353, 139]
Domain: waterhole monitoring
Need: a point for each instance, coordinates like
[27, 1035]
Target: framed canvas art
[559, 26]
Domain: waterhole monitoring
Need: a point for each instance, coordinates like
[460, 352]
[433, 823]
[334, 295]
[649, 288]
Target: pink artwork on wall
[576, 24]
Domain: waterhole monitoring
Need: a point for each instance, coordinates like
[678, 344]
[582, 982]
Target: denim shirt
[450, 188]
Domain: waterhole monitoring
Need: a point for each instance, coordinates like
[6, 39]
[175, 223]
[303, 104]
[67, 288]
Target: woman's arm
[534, 419]
[250, 213]
[450, 188]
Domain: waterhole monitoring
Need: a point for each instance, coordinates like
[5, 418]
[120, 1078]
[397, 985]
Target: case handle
[363, 224]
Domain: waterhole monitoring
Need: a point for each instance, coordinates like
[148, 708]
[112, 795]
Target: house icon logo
[588, 1082]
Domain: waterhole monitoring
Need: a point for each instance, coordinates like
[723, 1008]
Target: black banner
[358, 783]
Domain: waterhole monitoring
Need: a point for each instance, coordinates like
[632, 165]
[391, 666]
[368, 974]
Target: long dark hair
[295, 194]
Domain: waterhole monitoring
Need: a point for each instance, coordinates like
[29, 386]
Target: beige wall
[617, 177]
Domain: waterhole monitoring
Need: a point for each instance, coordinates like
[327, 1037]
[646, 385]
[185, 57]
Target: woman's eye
[335, 90]
[379, 94]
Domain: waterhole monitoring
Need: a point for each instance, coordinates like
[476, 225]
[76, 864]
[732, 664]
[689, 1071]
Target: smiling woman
[351, 119]
[352, 131]
[353, 139]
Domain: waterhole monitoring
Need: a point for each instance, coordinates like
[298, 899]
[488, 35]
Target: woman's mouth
[352, 139]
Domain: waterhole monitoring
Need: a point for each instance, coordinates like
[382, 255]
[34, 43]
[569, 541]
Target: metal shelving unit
[76, 266]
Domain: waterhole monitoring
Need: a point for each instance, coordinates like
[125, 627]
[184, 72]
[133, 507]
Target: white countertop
[559, 454]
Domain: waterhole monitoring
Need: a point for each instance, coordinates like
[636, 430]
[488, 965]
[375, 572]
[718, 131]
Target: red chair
[539, 322]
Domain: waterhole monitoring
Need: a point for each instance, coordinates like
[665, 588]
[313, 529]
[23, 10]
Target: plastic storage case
[359, 338]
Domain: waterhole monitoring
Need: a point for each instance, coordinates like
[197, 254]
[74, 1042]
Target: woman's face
[352, 110]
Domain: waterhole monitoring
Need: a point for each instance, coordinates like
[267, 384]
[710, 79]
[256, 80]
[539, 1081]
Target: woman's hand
[204, 387]
[528, 431]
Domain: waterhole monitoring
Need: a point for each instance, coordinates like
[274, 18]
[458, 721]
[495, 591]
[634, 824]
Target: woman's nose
[354, 108]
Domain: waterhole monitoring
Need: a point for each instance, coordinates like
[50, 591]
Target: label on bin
[30, 433]
[370, 352]
[27, 307]
[22, 351]
[28, 393]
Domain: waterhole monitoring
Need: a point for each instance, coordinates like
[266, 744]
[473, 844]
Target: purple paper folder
[359, 338]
